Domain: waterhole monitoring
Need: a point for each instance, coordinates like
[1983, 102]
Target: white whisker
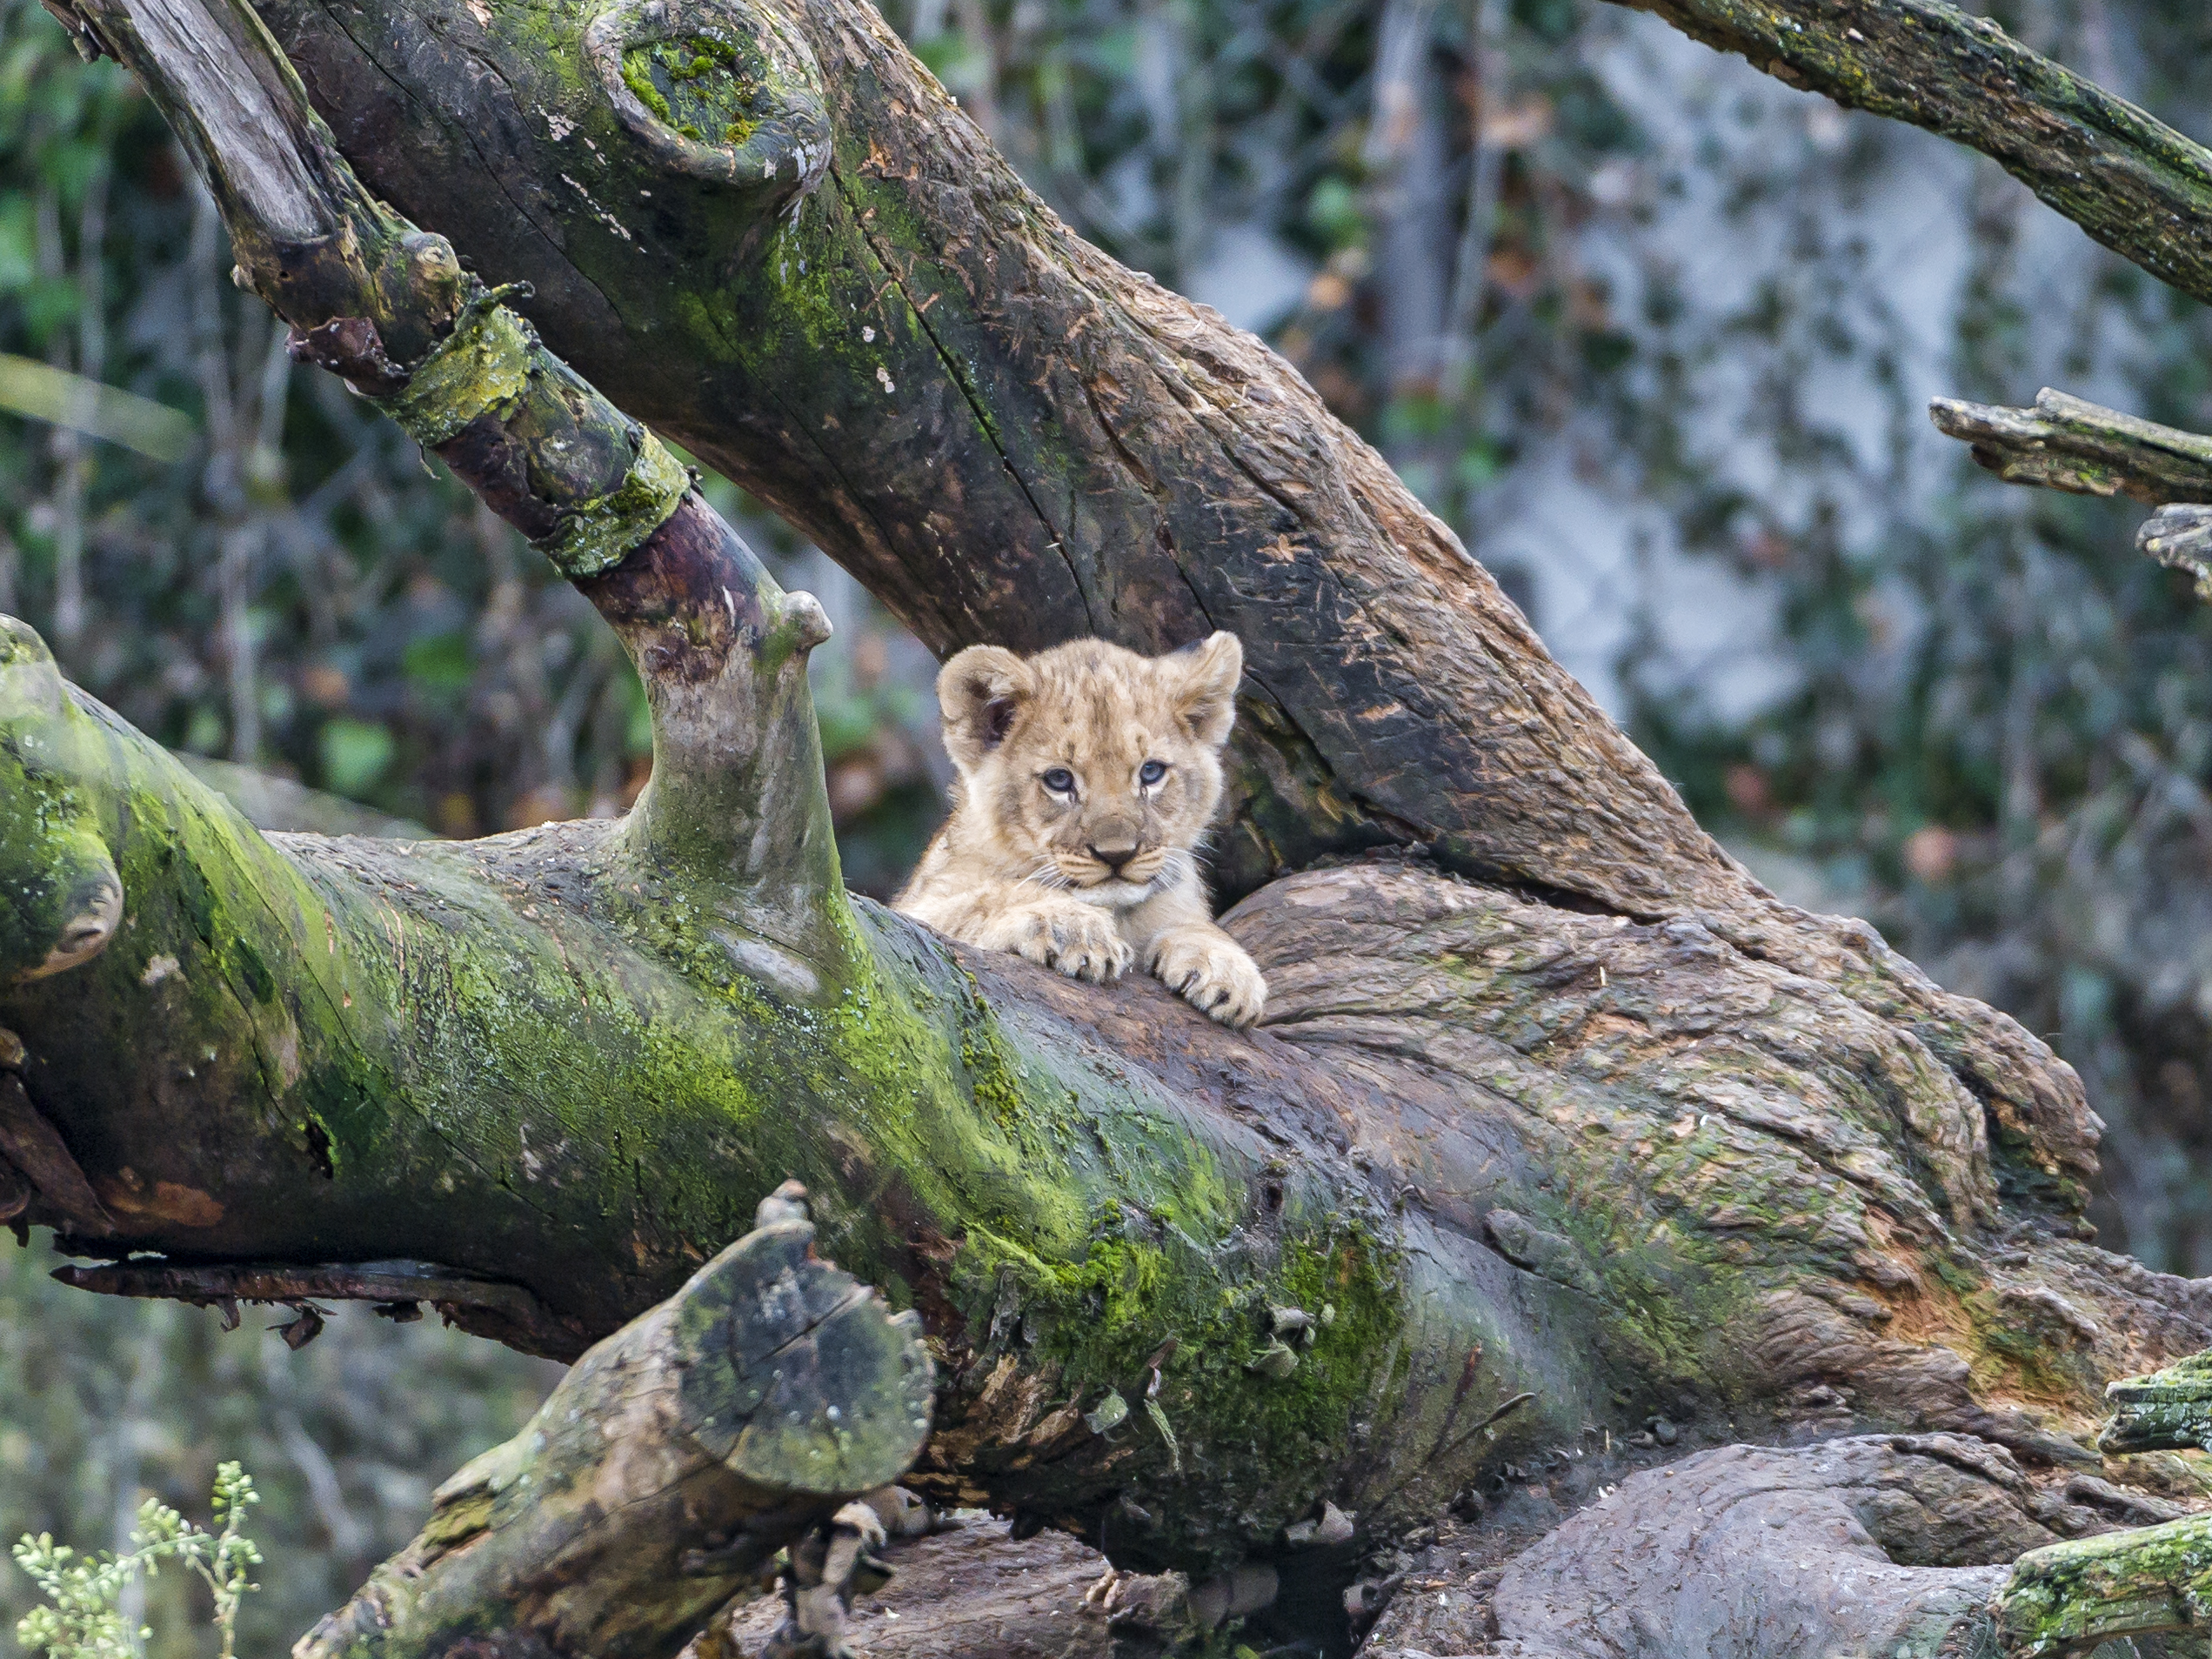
[1045, 873]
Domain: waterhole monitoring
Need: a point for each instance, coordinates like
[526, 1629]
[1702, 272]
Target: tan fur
[1018, 866]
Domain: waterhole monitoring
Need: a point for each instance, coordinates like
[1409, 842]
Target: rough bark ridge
[1518, 1170]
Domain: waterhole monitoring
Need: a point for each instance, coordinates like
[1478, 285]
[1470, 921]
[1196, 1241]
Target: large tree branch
[1012, 440]
[737, 805]
[1006, 436]
[1481, 1152]
[2129, 180]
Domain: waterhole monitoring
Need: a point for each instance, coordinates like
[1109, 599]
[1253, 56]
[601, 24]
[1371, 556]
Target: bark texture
[1007, 436]
[1560, 1127]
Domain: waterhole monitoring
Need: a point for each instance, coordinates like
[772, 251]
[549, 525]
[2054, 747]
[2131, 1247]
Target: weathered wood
[970, 1593]
[1827, 1550]
[2068, 444]
[664, 1472]
[65, 901]
[1010, 437]
[2170, 1409]
[34, 1150]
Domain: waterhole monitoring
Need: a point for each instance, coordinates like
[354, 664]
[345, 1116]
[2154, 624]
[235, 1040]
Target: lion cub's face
[1088, 768]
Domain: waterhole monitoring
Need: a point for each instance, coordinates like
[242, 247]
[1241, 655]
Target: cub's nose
[1114, 857]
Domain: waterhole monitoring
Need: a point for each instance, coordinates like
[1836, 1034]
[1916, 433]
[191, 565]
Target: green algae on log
[2068, 1597]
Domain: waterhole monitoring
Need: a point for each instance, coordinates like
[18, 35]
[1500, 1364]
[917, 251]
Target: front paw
[1079, 941]
[1211, 969]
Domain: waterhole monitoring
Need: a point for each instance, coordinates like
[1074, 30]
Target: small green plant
[86, 1621]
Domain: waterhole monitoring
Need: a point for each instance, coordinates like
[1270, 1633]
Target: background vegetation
[1654, 333]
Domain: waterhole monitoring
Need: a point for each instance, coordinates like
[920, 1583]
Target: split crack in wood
[483, 1307]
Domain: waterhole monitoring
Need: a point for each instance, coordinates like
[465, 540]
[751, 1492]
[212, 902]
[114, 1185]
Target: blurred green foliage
[105, 1403]
[96, 1596]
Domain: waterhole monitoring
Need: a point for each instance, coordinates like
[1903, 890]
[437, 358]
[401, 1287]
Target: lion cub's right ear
[980, 690]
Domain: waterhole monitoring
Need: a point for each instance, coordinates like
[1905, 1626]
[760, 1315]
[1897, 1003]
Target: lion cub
[1087, 776]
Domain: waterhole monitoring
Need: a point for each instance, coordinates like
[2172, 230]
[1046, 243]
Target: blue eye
[1060, 780]
[1151, 772]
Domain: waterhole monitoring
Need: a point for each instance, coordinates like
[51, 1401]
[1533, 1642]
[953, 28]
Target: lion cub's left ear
[1207, 697]
[980, 693]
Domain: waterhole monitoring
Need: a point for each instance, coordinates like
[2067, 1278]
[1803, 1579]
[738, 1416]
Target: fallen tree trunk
[1523, 1169]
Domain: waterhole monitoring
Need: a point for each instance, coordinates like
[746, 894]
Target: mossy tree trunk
[1562, 1131]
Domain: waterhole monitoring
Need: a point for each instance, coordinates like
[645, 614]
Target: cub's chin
[1115, 895]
